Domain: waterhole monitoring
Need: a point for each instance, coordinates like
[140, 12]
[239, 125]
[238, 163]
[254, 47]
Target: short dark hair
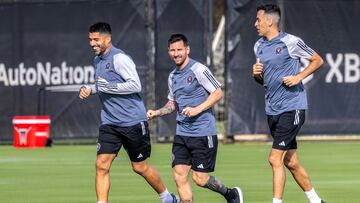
[100, 27]
[177, 37]
[270, 9]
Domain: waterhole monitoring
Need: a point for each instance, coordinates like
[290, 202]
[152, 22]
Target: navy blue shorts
[135, 139]
[199, 152]
[284, 128]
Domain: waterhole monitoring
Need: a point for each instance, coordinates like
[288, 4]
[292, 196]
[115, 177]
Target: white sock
[165, 196]
[275, 200]
[100, 202]
[312, 196]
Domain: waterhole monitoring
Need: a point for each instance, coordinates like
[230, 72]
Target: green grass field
[66, 174]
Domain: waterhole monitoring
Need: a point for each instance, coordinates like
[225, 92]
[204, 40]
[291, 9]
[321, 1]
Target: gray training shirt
[190, 87]
[281, 57]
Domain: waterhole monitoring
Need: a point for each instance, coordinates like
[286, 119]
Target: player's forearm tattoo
[168, 108]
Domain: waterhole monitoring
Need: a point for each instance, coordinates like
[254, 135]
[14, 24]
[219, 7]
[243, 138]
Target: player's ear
[169, 51]
[188, 49]
[108, 39]
[269, 21]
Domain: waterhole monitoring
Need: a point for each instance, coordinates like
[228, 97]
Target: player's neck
[183, 65]
[272, 34]
[107, 49]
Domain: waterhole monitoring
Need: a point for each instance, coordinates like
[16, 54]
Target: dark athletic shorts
[135, 139]
[199, 152]
[284, 128]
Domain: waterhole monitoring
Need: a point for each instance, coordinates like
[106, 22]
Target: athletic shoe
[234, 196]
[175, 199]
[322, 201]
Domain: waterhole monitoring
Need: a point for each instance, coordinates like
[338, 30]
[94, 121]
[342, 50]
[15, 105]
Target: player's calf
[232, 195]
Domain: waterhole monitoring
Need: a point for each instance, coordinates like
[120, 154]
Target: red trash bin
[31, 131]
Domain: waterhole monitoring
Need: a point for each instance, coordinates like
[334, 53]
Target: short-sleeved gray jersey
[190, 87]
[281, 57]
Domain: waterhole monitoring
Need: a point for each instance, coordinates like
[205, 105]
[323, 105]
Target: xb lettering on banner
[351, 68]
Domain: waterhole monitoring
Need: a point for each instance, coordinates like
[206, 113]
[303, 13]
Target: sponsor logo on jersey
[189, 79]
[278, 50]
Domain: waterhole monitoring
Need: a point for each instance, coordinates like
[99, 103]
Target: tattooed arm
[167, 109]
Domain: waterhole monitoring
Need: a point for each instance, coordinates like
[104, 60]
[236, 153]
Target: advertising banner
[45, 57]
[329, 28]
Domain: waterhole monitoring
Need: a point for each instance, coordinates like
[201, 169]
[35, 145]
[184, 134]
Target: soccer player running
[193, 90]
[123, 114]
[277, 68]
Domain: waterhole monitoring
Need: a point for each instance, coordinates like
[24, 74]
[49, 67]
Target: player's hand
[84, 92]
[258, 68]
[291, 80]
[152, 114]
[190, 112]
[101, 82]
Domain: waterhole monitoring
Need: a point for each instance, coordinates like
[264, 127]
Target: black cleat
[322, 201]
[234, 195]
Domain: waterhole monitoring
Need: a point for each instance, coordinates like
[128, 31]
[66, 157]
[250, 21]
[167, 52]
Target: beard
[179, 61]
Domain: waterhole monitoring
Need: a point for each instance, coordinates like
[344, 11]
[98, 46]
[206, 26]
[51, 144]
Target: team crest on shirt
[189, 79]
[107, 66]
[278, 50]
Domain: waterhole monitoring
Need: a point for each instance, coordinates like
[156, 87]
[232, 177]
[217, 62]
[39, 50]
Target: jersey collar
[188, 65]
[105, 56]
[281, 34]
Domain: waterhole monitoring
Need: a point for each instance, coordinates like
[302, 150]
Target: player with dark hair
[123, 114]
[277, 68]
[193, 90]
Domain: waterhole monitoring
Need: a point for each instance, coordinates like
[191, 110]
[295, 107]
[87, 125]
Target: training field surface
[66, 174]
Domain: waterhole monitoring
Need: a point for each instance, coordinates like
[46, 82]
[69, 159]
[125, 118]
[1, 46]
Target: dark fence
[45, 57]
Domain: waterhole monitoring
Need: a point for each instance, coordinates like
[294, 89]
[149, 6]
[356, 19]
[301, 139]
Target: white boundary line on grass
[265, 137]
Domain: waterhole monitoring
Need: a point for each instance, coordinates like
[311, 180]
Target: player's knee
[140, 168]
[101, 166]
[275, 161]
[200, 180]
[291, 165]
[180, 178]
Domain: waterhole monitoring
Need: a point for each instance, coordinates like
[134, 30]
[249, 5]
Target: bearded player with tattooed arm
[193, 90]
